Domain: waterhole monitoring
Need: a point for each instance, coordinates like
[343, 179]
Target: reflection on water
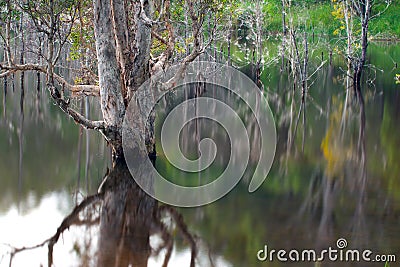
[40, 148]
[16, 229]
[37, 223]
[333, 189]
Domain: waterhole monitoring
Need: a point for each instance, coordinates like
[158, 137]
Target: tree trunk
[283, 36]
[140, 45]
[127, 217]
[365, 17]
[112, 104]
[128, 212]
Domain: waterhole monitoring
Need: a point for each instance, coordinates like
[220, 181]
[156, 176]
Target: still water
[311, 198]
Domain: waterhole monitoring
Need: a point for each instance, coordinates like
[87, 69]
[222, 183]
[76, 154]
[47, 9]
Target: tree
[355, 16]
[125, 33]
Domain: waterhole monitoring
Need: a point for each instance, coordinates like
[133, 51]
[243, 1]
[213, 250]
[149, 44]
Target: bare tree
[354, 12]
[298, 51]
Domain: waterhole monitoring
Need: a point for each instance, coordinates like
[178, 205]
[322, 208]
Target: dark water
[310, 199]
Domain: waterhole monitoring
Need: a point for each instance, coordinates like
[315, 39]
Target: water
[309, 200]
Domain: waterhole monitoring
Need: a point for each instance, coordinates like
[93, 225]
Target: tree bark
[140, 41]
[112, 104]
[123, 53]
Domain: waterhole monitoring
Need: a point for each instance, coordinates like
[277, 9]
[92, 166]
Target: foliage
[325, 17]
[321, 18]
[389, 21]
[13, 14]
[338, 15]
[82, 33]
[42, 12]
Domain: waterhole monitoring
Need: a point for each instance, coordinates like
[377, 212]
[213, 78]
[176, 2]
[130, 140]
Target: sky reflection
[30, 224]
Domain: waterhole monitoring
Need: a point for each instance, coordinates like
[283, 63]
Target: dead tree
[362, 11]
[298, 58]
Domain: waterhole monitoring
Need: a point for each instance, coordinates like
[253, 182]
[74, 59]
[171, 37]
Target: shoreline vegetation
[318, 17]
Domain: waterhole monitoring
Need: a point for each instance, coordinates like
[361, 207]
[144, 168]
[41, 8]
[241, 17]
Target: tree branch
[383, 11]
[64, 105]
[76, 90]
[159, 37]
[5, 74]
[197, 23]
[76, 116]
[160, 61]
[177, 217]
[70, 220]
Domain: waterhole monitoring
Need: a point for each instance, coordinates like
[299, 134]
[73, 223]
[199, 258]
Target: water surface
[310, 199]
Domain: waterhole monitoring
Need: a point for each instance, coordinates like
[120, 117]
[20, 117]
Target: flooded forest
[308, 138]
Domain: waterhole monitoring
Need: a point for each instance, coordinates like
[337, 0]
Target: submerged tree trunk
[127, 215]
